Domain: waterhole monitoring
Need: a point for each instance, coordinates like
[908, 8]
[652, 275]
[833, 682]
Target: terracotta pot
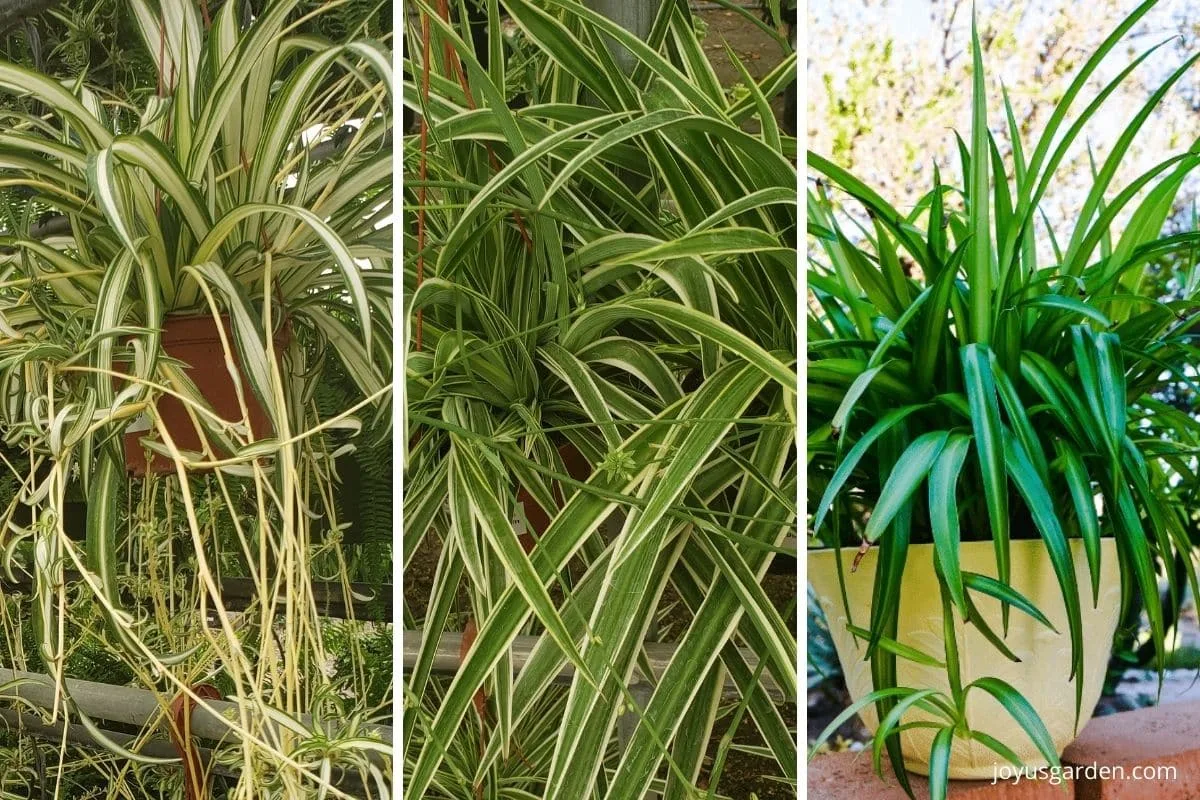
[195, 341]
[1041, 675]
[578, 468]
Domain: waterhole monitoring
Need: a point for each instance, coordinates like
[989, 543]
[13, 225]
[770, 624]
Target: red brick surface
[1107, 762]
[848, 776]
[1161, 736]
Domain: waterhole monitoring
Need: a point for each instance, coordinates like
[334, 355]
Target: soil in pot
[1040, 676]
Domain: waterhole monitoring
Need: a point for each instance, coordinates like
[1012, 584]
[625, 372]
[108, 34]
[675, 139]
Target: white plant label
[140, 423]
[520, 522]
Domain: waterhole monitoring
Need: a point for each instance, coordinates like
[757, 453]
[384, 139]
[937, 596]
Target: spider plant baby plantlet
[993, 412]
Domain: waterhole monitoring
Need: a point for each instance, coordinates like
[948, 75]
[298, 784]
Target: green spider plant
[611, 266]
[946, 351]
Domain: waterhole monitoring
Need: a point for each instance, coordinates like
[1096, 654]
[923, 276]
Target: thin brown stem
[423, 168]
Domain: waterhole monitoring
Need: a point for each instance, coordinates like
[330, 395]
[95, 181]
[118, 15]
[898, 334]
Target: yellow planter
[1041, 675]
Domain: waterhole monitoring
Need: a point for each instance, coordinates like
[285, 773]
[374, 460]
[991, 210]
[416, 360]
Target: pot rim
[201, 328]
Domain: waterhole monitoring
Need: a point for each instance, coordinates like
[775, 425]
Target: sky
[910, 19]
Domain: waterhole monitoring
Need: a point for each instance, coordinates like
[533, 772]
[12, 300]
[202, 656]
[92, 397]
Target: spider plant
[1010, 367]
[256, 184]
[612, 267]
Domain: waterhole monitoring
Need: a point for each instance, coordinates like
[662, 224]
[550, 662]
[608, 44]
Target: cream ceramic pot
[1041, 675]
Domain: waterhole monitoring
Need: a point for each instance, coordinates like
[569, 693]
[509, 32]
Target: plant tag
[520, 522]
[140, 423]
